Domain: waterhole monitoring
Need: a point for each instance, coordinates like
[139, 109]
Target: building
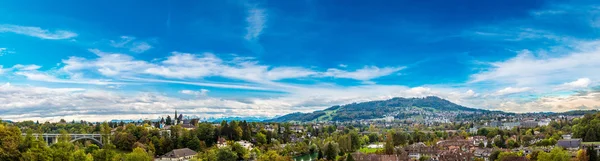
[178, 155]
[529, 124]
[245, 144]
[510, 125]
[473, 130]
[544, 122]
[389, 119]
[570, 144]
[495, 124]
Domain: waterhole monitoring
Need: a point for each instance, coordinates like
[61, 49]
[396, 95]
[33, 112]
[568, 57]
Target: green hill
[376, 109]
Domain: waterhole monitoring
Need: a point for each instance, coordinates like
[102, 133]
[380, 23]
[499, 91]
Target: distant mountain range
[377, 109]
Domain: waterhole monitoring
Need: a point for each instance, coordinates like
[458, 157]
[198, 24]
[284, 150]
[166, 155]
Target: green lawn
[368, 150]
[590, 143]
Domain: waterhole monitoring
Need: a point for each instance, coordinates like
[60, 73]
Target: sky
[103, 60]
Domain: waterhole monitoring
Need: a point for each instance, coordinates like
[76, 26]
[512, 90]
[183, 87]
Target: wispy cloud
[130, 42]
[366, 73]
[511, 90]
[580, 83]
[527, 69]
[3, 51]
[37, 32]
[201, 92]
[256, 19]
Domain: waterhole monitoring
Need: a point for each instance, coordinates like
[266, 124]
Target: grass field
[590, 143]
[369, 150]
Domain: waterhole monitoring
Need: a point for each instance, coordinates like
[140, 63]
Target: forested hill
[375, 109]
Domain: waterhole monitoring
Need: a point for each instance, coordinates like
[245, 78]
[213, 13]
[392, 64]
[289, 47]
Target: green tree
[593, 155]
[169, 121]
[590, 135]
[10, 138]
[138, 154]
[389, 144]
[582, 155]
[494, 155]
[105, 154]
[80, 155]
[503, 156]
[39, 152]
[90, 149]
[557, 154]
[240, 151]
[194, 144]
[225, 154]
[349, 157]
[331, 150]
[63, 151]
[273, 156]
[261, 138]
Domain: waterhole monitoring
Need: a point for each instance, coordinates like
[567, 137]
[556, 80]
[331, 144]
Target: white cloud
[3, 51]
[37, 32]
[580, 83]
[1, 69]
[202, 92]
[256, 19]
[366, 73]
[140, 47]
[45, 77]
[187, 66]
[343, 65]
[528, 70]
[131, 43]
[511, 90]
[26, 67]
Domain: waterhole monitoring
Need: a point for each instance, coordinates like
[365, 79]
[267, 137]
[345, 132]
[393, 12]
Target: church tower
[176, 120]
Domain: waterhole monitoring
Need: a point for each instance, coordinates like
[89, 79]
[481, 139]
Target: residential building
[178, 155]
[570, 144]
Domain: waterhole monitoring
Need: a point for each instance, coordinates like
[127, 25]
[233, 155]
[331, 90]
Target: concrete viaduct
[53, 138]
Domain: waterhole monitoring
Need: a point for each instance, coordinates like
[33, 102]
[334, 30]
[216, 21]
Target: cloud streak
[37, 32]
[257, 20]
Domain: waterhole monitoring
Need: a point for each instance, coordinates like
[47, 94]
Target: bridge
[53, 138]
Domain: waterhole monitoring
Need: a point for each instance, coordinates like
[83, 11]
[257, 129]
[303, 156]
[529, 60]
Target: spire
[176, 120]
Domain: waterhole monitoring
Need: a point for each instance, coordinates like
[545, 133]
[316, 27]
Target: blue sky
[144, 59]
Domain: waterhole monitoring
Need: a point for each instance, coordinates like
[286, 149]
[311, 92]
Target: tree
[90, 149]
[124, 140]
[105, 131]
[504, 156]
[590, 135]
[389, 144]
[138, 154]
[38, 152]
[225, 154]
[80, 155]
[349, 157]
[557, 154]
[63, 151]
[582, 155]
[592, 153]
[273, 156]
[261, 138]
[105, 154]
[208, 155]
[10, 138]
[169, 121]
[240, 151]
[194, 144]
[494, 155]
[331, 150]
